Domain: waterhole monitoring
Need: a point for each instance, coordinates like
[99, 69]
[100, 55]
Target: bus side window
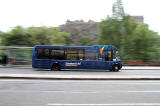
[91, 55]
[46, 53]
[71, 54]
[77, 54]
[57, 54]
[39, 53]
[81, 54]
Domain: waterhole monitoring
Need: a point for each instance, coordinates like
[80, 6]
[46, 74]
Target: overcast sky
[55, 12]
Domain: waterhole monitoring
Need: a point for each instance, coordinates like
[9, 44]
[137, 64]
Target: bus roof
[106, 47]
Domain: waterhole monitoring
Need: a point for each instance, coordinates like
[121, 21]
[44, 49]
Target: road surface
[79, 93]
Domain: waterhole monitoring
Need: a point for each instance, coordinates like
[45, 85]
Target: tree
[134, 40]
[16, 37]
[85, 41]
[59, 37]
[117, 10]
[110, 32]
[127, 39]
[145, 43]
[48, 36]
[113, 31]
[1, 33]
[35, 36]
[1, 51]
[39, 36]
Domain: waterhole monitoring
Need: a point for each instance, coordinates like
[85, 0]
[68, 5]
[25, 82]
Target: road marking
[118, 104]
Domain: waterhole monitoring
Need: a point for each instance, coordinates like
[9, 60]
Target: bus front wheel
[56, 67]
[115, 68]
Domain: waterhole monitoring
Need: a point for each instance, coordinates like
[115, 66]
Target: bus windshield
[116, 56]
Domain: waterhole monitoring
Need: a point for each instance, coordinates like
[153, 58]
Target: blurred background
[137, 41]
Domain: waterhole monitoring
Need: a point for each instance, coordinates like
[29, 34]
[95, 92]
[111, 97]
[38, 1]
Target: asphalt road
[79, 93]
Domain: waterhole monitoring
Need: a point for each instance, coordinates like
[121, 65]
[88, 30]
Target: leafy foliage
[85, 40]
[35, 36]
[135, 40]
[16, 37]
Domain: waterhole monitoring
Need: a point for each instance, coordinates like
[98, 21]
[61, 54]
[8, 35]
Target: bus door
[108, 58]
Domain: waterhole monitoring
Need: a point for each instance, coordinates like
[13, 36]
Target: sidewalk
[141, 68]
[8, 73]
[123, 68]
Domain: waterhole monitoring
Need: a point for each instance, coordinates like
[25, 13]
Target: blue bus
[105, 57]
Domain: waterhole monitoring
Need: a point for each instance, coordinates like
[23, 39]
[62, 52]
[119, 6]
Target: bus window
[77, 54]
[57, 54]
[50, 54]
[91, 55]
[40, 54]
[81, 54]
[109, 55]
[43, 53]
[71, 54]
[46, 53]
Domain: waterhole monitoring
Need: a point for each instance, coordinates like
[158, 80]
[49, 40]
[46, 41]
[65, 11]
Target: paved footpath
[123, 68]
[127, 73]
[141, 68]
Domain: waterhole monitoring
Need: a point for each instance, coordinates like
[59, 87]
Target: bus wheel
[115, 68]
[55, 67]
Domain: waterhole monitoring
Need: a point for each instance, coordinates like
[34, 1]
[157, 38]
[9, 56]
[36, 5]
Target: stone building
[80, 28]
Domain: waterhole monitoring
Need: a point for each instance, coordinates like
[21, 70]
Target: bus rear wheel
[115, 68]
[56, 67]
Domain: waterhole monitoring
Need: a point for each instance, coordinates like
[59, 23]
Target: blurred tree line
[31, 36]
[135, 41]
